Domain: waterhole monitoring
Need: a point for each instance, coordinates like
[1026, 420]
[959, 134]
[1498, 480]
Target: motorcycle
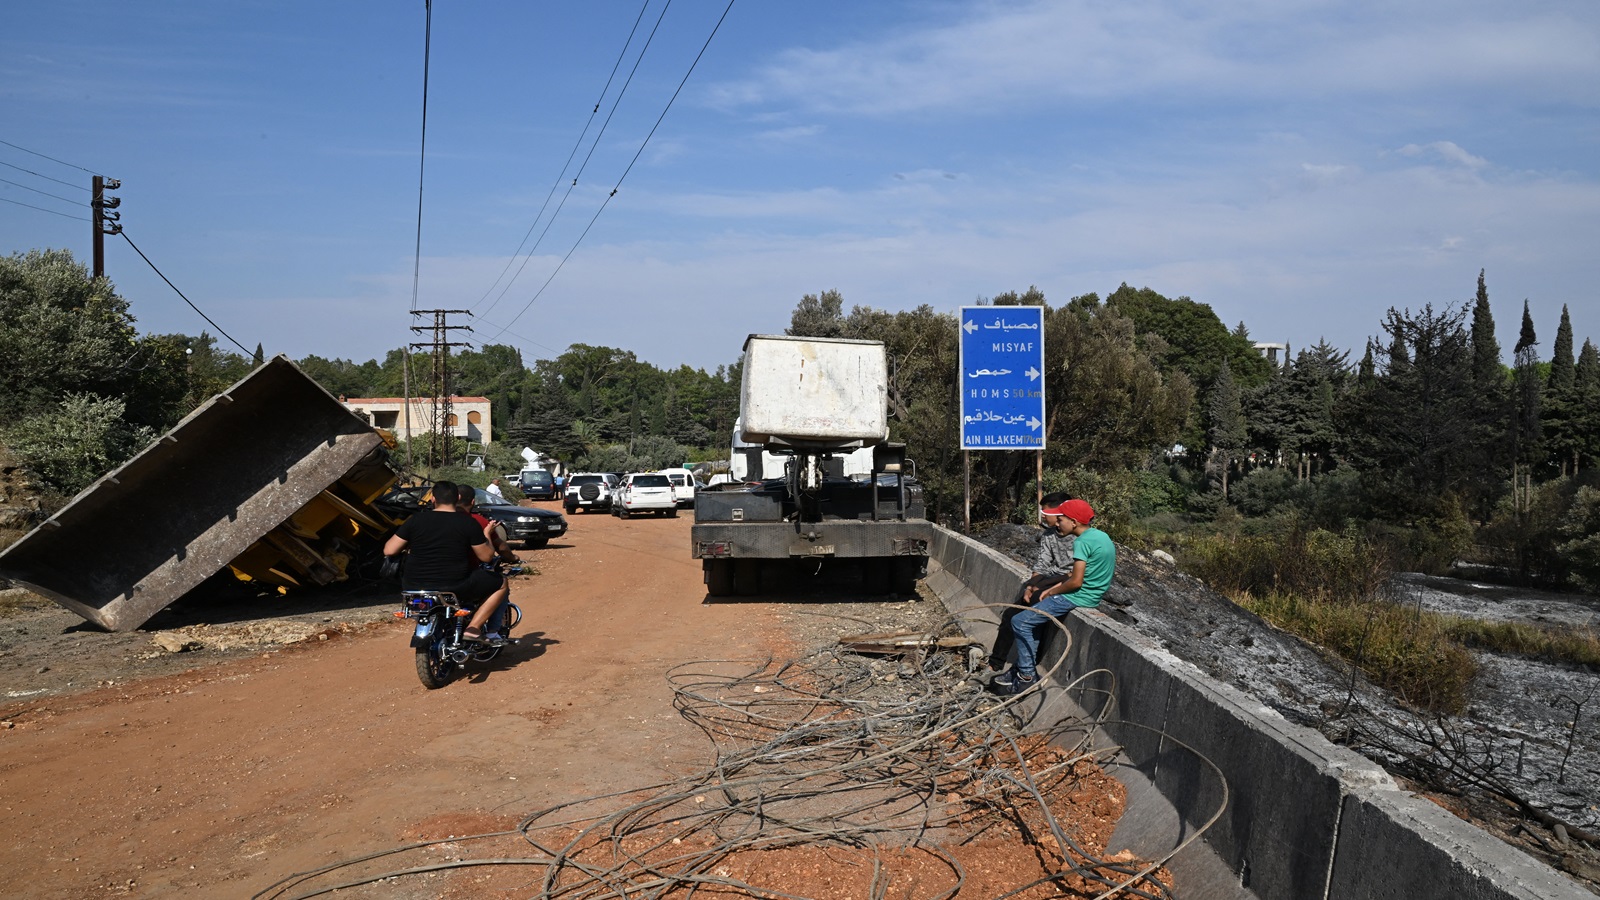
[441, 651]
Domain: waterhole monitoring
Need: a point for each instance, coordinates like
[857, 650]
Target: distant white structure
[1271, 351]
[469, 416]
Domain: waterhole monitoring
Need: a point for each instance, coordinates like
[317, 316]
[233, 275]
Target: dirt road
[219, 781]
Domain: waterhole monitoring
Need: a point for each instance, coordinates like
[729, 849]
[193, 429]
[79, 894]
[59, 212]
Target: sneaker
[491, 639]
[1012, 682]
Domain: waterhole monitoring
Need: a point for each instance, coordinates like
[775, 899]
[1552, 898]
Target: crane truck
[820, 406]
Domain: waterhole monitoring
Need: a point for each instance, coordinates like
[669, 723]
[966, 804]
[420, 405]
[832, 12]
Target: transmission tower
[440, 440]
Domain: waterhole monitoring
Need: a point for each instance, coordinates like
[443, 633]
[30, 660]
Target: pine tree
[260, 356]
[1559, 402]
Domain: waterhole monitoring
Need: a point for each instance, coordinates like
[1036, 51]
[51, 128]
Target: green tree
[1490, 410]
[1229, 432]
[1413, 417]
[1295, 414]
[1560, 402]
[75, 442]
[1527, 432]
[818, 315]
[1586, 388]
[61, 332]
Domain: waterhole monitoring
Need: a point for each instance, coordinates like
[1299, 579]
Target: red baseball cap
[1076, 510]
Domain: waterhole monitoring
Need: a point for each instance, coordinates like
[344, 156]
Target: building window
[452, 422]
[475, 417]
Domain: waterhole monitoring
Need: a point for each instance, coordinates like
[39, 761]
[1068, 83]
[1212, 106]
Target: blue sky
[1300, 166]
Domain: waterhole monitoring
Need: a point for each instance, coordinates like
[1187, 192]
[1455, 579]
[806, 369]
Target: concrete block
[1396, 846]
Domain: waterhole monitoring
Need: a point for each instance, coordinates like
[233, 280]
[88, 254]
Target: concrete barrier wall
[1301, 817]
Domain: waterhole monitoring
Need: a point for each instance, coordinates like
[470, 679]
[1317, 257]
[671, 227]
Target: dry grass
[1572, 646]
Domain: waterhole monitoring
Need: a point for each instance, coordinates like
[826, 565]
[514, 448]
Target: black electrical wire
[834, 750]
[42, 209]
[245, 350]
[41, 175]
[618, 185]
[621, 54]
[51, 158]
[37, 191]
[617, 101]
[422, 153]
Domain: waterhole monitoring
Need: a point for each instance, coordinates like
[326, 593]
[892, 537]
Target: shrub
[1407, 651]
[82, 438]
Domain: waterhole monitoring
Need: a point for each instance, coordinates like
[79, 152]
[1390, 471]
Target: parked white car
[683, 486]
[589, 490]
[646, 492]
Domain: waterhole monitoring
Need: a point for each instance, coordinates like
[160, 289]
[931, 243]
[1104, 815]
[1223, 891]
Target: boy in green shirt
[1094, 561]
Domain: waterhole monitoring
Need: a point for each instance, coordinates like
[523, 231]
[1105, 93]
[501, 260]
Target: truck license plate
[811, 550]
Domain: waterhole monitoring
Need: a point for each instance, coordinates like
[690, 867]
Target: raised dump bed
[273, 476]
[1302, 819]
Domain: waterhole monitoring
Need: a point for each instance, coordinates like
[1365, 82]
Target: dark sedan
[532, 525]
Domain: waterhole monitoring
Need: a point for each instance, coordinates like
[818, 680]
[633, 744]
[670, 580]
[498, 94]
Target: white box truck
[823, 487]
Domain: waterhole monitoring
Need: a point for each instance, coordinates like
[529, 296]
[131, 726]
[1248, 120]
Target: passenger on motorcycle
[446, 549]
[496, 533]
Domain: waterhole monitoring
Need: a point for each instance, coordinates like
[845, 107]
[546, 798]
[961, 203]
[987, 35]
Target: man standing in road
[446, 549]
[1094, 561]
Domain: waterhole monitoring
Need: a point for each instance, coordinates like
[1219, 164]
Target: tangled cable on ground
[906, 758]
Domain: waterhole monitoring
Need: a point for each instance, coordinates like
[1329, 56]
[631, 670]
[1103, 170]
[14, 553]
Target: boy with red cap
[1094, 560]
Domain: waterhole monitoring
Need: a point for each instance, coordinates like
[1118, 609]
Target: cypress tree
[1586, 390]
[1525, 430]
[1228, 430]
[1560, 404]
[1490, 409]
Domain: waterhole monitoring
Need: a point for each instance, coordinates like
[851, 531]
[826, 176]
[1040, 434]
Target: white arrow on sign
[1034, 423]
[970, 326]
[1032, 373]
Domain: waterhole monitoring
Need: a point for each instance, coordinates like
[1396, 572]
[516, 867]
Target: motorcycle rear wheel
[433, 667]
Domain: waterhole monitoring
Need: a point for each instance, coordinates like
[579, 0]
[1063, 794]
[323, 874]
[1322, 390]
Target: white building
[469, 416]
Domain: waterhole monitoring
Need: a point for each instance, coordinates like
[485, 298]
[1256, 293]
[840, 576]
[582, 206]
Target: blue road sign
[1002, 378]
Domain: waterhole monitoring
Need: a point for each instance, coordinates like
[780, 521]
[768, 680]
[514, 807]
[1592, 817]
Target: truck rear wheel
[877, 575]
[747, 577]
[907, 569]
[719, 577]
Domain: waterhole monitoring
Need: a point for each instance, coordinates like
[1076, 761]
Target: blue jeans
[1025, 625]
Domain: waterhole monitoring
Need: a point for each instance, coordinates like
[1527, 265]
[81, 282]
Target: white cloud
[1446, 150]
[999, 57]
[791, 134]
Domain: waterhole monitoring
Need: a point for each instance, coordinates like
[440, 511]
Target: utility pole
[439, 348]
[103, 222]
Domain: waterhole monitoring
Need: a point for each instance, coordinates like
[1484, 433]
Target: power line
[51, 158]
[621, 54]
[37, 191]
[40, 175]
[625, 172]
[590, 155]
[422, 154]
[42, 209]
[242, 348]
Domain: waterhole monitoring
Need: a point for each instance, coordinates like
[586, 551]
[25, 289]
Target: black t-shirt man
[440, 554]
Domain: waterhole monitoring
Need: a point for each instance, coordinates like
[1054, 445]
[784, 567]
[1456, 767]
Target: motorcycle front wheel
[433, 666]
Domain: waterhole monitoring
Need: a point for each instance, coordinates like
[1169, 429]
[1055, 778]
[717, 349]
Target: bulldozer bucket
[239, 471]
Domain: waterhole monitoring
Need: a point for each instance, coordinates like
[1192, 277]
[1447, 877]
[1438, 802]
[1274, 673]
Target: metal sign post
[1002, 378]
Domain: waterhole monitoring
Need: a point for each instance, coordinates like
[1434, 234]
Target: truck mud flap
[267, 468]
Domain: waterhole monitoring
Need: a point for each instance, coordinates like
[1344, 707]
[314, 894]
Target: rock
[1163, 556]
[174, 643]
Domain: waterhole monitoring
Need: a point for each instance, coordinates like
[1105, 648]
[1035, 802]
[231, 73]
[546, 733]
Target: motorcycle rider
[446, 549]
